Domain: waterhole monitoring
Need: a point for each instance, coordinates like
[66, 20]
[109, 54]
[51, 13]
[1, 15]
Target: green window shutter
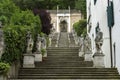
[110, 15]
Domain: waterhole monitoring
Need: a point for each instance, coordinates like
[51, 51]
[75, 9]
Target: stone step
[68, 77]
[75, 73]
[65, 64]
[67, 70]
[64, 58]
[62, 48]
[67, 50]
[63, 54]
[63, 79]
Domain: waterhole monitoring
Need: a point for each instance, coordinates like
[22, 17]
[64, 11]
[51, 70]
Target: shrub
[7, 8]
[43, 51]
[80, 27]
[45, 20]
[15, 35]
[4, 68]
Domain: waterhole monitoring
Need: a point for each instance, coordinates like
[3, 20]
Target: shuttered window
[110, 14]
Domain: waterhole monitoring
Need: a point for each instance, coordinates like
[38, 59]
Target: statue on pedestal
[98, 57]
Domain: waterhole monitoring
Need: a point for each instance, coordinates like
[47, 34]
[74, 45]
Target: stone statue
[29, 43]
[43, 40]
[99, 40]
[1, 24]
[81, 44]
[87, 43]
[38, 43]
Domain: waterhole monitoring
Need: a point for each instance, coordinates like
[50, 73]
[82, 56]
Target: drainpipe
[110, 34]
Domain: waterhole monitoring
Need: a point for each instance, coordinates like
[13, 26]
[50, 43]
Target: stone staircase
[63, 40]
[54, 40]
[72, 41]
[64, 63]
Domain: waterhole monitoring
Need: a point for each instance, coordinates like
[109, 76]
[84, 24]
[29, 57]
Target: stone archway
[63, 26]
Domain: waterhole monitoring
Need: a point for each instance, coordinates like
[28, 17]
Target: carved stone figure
[43, 40]
[99, 40]
[29, 42]
[87, 43]
[1, 24]
[1, 43]
[38, 43]
[81, 44]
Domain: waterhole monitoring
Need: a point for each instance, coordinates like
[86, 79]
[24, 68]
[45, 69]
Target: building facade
[105, 14]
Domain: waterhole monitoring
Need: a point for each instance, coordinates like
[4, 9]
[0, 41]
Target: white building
[98, 16]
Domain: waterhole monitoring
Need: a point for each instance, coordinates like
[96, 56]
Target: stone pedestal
[38, 57]
[2, 77]
[88, 56]
[98, 60]
[29, 61]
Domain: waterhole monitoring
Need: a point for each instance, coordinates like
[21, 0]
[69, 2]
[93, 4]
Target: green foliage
[15, 41]
[4, 68]
[43, 51]
[44, 4]
[80, 27]
[7, 8]
[81, 5]
[15, 33]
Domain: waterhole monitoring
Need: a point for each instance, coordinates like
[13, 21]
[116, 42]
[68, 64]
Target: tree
[81, 5]
[45, 20]
[7, 8]
[44, 4]
[80, 27]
